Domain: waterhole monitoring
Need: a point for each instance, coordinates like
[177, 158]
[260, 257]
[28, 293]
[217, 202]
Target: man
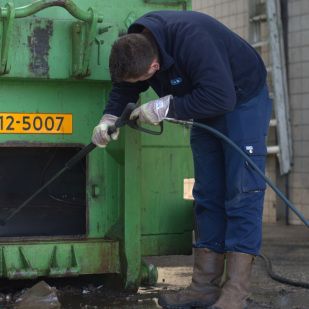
[203, 71]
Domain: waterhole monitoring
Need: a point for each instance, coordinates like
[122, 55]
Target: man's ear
[154, 66]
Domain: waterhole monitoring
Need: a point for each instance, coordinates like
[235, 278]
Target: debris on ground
[286, 246]
[40, 296]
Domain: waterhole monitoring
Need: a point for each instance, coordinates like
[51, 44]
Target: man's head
[134, 57]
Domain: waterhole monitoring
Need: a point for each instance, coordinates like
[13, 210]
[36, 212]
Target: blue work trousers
[228, 193]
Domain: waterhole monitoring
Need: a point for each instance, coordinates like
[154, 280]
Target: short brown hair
[131, 56]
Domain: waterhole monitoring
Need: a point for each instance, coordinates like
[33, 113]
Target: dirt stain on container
[39, 46]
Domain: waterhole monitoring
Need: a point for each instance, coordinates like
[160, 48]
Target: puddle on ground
[98, 296]
[149, 304]
[104, 298]
[101, 298]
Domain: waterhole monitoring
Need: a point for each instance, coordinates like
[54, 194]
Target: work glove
[100, 136]
[152, 112]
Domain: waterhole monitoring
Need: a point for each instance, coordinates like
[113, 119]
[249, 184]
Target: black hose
[218, 134]
[279, 278]
[248, 159]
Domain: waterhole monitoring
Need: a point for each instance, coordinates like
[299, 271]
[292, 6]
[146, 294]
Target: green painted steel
[52, 62]
[32, 8]
[35, 259]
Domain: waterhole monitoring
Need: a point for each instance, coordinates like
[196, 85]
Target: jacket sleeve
[206, 64]
[122, 94]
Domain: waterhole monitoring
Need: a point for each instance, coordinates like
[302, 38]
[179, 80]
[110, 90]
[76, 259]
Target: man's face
[154, 67]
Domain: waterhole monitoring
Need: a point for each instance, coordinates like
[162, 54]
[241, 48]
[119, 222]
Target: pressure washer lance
[123, 120]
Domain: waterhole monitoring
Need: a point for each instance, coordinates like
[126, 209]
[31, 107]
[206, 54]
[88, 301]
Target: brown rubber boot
[204, 289]
[235, 290]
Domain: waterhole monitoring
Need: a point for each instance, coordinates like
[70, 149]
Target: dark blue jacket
[204, 65]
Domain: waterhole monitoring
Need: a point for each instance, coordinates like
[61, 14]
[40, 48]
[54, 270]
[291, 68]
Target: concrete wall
[235, 15]
[298, 66]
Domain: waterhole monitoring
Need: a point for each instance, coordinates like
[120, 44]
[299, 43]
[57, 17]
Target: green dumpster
[119, 203]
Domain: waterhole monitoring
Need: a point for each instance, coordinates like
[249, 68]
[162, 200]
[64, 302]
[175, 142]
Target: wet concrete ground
[287, 246]
[288, 249]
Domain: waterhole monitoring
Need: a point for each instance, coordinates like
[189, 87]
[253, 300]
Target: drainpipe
[284, 20]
